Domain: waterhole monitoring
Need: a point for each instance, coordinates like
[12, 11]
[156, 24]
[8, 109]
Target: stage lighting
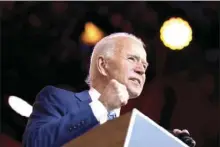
[20, 106]
[176, 33]
[92, 34]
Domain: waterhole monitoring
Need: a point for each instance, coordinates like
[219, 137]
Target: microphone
[187, 139]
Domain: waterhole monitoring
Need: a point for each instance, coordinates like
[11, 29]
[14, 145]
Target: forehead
[127, 46]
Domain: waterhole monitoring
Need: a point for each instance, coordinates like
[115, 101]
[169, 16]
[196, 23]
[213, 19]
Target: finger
[126, 94]
[113, 82]
[123, 103]
[117, 82]
[185, 131]
[176, 131]
[193, 143]
[123, 94]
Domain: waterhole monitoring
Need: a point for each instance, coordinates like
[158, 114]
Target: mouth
[136, 80]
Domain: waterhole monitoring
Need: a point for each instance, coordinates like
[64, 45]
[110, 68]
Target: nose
[139, 69]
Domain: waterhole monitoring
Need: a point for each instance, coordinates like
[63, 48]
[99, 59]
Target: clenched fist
[185, 137]
[114, 95]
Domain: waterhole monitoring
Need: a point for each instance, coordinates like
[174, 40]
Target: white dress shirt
[98, 108]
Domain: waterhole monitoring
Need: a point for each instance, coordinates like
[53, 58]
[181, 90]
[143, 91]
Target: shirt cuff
[99, 111]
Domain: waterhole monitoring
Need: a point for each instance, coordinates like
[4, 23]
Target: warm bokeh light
[20, 106]
[92, 34]
[176, 33]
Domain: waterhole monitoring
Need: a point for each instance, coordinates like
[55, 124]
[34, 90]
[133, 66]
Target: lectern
[132, 129]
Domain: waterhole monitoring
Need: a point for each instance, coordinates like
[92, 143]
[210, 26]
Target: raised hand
[114, 95]
[184, 135]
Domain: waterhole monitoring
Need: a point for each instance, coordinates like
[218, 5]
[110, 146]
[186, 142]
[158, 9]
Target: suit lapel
[84, 96]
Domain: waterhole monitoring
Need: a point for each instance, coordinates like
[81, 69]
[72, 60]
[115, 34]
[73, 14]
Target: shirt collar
[94, 94]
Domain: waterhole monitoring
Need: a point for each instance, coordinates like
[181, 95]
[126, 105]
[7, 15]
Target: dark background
[41, 46]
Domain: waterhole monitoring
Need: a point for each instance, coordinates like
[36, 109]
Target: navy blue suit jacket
[58, 116]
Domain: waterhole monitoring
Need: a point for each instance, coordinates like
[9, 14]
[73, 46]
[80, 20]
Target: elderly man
[117, 74]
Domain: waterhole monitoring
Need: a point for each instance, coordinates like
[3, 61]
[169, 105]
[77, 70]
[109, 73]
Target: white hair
[106, 48]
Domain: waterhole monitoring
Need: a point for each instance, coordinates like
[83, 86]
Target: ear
[102, 65]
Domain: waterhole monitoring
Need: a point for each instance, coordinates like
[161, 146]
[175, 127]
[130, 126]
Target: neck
[99, 85]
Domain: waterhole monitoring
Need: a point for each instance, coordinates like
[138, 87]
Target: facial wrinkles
[125, 46]
[140, 54]
[120, 69]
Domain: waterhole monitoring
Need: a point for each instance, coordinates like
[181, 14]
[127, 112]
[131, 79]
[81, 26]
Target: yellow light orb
[92, 34]
[176, 33]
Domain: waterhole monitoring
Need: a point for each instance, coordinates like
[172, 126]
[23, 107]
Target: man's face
[128, 66]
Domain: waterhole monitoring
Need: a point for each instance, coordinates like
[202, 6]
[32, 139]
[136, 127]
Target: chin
[134, 94]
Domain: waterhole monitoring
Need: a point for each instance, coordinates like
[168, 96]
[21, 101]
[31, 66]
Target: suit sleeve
[51, 125]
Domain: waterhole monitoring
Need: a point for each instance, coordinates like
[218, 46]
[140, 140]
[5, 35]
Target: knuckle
[113, 81]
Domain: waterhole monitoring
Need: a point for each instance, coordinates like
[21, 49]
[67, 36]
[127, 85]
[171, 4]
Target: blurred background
[50, 43]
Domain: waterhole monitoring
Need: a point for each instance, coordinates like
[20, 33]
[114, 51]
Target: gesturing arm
[52, 125]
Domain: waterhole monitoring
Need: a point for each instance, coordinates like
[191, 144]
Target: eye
[145, 66]
[131, 59]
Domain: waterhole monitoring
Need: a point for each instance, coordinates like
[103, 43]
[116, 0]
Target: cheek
[127, 71]
[122, 73]
[116, 71]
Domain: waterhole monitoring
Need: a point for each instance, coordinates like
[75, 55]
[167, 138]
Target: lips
[136, 80]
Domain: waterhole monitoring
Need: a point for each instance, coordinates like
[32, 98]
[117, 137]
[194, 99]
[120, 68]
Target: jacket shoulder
[48, 90]
[54, 94]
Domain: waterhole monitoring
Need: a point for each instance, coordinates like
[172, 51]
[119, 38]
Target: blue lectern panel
[143, 132]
